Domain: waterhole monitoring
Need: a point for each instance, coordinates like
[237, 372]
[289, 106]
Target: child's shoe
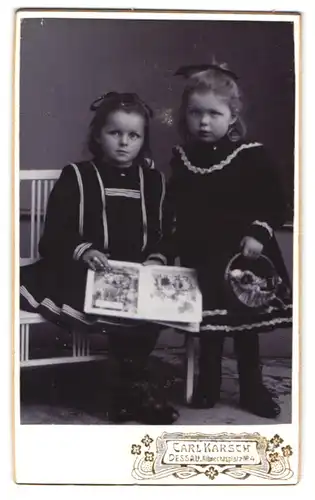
[260, 402]
[138, 403]
[205, 397]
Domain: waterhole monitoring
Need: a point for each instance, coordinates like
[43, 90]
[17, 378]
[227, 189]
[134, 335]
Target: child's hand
[96, 260]
[152, 262]
[251, 247]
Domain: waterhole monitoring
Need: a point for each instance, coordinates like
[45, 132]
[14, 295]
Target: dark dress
[97, 206]
[222, 192]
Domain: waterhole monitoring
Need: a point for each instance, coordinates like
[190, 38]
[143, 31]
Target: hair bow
[188, 71]
[121, 99]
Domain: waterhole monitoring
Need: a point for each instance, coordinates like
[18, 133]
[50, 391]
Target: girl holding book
[110, 207]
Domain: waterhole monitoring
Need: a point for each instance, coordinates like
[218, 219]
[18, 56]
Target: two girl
[107, 208]
[227, 200]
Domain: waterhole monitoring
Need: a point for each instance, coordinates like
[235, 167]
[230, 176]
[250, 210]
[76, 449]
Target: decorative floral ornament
[276, 441]
[274, 462]
[147, 440]
[149, 456]
[287, 451]
[211, 473]
[274, 457]
[136, 449]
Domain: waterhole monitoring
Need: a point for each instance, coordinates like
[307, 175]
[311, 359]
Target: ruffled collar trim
[219, 166]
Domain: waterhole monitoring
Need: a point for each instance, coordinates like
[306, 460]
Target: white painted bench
[41, 183]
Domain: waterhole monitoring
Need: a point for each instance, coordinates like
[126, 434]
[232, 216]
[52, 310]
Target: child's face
[208, 117]
[122, 137]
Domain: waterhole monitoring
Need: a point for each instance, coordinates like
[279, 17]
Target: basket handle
[228, 267]
[236, 256]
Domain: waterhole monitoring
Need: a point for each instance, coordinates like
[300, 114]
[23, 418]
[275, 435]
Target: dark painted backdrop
[67, 63]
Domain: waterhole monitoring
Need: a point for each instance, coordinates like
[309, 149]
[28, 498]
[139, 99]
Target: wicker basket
[251, 283]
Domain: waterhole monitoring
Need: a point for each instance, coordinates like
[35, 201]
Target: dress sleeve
[61, 239]
[164, 250]
[267, 200]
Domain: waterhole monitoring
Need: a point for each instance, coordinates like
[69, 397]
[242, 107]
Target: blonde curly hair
[219, 80]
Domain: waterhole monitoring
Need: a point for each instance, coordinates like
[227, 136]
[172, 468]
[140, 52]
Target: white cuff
[158, 256]
[264, 225]
[80, 249]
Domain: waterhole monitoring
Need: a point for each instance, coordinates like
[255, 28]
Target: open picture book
[162, 294]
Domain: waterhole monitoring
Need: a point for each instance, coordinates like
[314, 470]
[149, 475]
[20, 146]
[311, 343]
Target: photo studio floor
[76, 394]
